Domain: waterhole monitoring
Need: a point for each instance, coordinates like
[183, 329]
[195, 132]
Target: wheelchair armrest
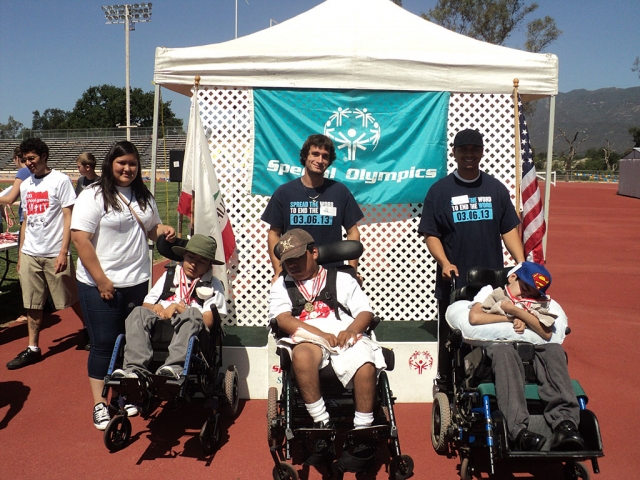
[275, 329]
[372, 326]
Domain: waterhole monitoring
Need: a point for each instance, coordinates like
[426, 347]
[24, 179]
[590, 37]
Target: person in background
[110, 227]
[332, 202]
[465, 218]
[13, 193]
[44, 260]
[87, 167]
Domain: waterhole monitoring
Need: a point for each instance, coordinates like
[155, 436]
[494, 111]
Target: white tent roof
[359, 44]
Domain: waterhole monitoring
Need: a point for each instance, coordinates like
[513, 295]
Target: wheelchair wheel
[466, 470]
[231, 390]
[402, 467]
[576, 470]
[440, 423]
[210, 435]
[117, 433]
[288, 471]
[272, 412]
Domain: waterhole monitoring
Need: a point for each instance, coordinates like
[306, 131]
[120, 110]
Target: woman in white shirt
[109, 228]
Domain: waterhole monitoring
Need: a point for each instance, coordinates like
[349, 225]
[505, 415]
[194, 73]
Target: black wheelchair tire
[231, 390]
[210, 435]
[272, 412]
[575, 471]
[290, 473]
[440, 423]
[466, 471]
[117, 433]
[403, 467]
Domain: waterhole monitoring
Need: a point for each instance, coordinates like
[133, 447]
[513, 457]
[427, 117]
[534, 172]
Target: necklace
[306, 190]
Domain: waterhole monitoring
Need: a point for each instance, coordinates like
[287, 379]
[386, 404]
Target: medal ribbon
[184, 292]
[525, 302]
[316, 286]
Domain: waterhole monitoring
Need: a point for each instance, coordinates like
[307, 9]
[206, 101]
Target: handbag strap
[135, 215]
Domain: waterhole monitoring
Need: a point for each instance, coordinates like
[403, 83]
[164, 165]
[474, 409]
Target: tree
[636, 66]
[633, 131]
[572, 147]
[540, 33]
[104, 106]
[51, 119]
[494, 21]
[11, 129]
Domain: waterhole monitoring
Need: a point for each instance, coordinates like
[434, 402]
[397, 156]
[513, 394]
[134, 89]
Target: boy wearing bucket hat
[525, 303]
[185, 302]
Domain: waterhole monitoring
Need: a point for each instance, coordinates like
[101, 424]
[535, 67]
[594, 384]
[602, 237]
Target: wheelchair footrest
[374, 432]
[167, 388]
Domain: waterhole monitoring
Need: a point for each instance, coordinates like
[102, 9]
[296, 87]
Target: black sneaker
[24, 358]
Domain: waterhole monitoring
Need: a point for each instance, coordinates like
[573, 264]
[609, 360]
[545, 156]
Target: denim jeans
[105, 321]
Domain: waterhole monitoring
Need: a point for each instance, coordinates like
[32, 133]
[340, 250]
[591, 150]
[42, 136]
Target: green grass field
[10, 295]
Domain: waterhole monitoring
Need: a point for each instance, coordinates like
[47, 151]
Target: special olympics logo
[353, 130]
[420, 361]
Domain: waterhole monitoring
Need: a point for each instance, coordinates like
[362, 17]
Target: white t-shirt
[215, 297]
[349, 294]
[120, 243]
[43, 200]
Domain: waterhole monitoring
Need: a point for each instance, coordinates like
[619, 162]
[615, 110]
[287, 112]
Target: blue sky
[51, 51]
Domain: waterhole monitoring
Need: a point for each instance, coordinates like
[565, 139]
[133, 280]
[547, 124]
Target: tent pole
[547, 183]
[154, 147]
[154, 138]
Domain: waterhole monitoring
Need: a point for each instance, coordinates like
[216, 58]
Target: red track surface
[593, 255]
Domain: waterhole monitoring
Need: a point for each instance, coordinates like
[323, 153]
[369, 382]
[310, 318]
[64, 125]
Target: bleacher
[64, 151]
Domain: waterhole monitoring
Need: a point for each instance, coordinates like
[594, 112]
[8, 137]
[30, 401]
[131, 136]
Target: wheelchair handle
[452, 273]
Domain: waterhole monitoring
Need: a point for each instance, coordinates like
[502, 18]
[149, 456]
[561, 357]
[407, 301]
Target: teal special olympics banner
[390, 146]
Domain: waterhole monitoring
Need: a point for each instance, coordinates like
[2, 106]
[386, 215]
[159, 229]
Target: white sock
[34, 349]
[361, 420]
[318, 411]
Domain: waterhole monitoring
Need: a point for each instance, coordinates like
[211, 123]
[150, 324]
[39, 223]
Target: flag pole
[192, 224]
[516, 82]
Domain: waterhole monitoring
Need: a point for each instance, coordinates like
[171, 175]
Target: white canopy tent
[369, 45]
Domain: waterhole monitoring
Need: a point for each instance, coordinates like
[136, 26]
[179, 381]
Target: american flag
[533, 224]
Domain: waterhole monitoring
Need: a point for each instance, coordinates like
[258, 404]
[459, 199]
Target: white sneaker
[170, 371]
[119, 373]
[101, 416]
[131, 410]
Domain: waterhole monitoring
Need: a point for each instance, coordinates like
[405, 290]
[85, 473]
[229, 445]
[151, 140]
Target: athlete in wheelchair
[512, 395]
[323, 323]
[172, 344]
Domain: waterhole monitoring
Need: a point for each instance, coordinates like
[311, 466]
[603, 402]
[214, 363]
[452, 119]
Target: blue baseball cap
[534, 275]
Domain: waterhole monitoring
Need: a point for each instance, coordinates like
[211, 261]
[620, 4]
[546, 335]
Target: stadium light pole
[129, 15]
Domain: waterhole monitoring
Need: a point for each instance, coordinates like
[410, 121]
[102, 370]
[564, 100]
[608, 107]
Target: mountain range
[599, 115]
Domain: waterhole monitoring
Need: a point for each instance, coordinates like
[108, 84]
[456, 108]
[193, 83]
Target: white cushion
[458, 318]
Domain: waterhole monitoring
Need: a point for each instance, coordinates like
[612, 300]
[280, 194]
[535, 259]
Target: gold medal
[308, 307]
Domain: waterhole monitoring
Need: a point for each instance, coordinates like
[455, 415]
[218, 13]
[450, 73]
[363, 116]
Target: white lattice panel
[398, 270]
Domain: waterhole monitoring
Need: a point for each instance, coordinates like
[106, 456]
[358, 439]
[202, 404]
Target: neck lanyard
[316, 286]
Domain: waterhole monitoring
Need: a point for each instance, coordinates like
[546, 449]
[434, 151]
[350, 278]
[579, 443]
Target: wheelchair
[290, 431]
[465, 418]
[202, 378]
